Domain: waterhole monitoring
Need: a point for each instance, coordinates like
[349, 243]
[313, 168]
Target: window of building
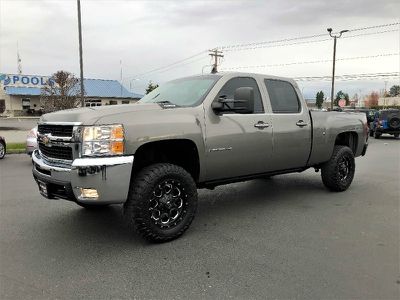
[283, 96]
[2, 105]
[228, 91]
[125, 101]
[92, 102]
[113, 102]
[26, 103]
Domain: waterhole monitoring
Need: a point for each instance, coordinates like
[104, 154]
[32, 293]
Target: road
[287, 237]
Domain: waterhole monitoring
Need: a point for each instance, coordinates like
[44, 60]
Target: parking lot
[285, 237]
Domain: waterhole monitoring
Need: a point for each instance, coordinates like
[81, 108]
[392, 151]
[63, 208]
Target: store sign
[19, 80]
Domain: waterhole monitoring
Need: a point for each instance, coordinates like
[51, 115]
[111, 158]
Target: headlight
[103, 140]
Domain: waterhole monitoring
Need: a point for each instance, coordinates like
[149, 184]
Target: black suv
[386, 121]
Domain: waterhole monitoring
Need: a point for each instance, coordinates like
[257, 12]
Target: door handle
[261, 125]
[301, 123]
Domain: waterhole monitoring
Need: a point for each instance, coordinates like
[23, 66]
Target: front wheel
[162, 202]
[338, 173]
[396, 135]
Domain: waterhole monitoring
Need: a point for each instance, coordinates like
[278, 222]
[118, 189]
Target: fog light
[89, 193]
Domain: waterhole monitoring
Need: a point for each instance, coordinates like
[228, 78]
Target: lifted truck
[190, 133]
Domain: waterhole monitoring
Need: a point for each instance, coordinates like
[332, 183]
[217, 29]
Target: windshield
[188, 91]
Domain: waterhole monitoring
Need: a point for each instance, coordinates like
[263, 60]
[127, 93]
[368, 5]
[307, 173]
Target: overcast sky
[149, 34]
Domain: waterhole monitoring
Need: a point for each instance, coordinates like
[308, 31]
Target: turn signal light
[117, 147]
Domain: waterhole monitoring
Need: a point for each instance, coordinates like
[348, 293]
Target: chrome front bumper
[110, 176]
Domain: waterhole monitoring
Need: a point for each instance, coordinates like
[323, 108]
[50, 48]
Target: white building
[20, 94]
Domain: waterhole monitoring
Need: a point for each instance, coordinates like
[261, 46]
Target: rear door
[291, 125]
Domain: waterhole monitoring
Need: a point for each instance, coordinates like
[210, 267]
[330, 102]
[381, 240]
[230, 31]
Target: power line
[312, 61]
[348, 77]
[308, 42]
[167, 66]
[229, 47]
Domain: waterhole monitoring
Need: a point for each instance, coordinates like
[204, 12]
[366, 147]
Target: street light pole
[335, 37]
[80, 51]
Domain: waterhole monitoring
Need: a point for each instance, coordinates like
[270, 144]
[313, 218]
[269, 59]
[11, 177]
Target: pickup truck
[190, 133]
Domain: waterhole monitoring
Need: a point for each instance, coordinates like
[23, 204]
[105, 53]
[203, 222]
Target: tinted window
[228, 91]
[283, 97]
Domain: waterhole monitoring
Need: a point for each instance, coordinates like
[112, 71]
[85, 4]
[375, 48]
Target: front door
[237, 144]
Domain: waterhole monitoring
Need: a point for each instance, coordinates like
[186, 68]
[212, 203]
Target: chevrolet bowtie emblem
[45, 140]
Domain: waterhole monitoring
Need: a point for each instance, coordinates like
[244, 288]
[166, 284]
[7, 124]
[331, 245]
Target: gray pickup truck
[190, 133]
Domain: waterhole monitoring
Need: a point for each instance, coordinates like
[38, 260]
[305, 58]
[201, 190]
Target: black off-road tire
[92, 206]
[139, 211]
[371, 132]
[332, 170]
[377, 135]
[396, 135]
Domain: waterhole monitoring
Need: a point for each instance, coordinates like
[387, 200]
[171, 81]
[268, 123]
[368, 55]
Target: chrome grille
[56, 130]
[57, 152]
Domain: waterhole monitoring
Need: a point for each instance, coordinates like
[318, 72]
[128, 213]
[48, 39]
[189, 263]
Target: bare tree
[61, 92]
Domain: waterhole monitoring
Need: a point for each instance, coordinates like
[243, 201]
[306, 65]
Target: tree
[61, 92]
[394, 91]
[341, 95]
[372, 100]
[319, 99]
[150, 87]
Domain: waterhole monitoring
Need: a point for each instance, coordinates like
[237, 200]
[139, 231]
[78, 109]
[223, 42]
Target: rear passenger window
[283, 96]
[228, 91]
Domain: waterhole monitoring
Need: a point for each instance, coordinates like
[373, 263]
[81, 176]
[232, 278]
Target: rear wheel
[338, 173]
[162, 202]
[371, 132]
[377, 135]
[2, 150]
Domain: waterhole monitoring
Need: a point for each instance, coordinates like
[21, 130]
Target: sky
[146, 35]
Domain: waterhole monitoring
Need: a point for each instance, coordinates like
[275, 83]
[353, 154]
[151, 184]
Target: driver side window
[228, 91]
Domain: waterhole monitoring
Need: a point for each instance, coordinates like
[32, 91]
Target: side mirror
[242, 102]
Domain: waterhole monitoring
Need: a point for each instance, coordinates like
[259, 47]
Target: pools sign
[19, 80]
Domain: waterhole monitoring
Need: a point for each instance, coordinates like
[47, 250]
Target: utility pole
[215, 53]
[335, 37]
[80, 51]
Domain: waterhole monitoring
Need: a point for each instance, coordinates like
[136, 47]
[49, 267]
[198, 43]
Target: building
[20, 94]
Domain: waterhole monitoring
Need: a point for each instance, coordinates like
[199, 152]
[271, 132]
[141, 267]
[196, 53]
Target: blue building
[20, 94]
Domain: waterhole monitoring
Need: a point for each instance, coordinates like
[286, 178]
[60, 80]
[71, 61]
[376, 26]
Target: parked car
[3, 147]
[31, 141]
[190, 133]
[386, 121]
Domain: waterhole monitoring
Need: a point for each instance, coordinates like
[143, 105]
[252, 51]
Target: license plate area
[43, 189]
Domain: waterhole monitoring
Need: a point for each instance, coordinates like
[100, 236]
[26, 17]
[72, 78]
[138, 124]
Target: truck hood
[90, 115]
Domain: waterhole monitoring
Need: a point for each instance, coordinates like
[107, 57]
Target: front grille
[56, 152]
[56, 130]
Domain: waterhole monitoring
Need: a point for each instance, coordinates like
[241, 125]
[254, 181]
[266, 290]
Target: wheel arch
[181, 152]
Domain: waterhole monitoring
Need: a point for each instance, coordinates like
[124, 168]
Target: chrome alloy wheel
[2, 150]
[168, 204]
[344, 166]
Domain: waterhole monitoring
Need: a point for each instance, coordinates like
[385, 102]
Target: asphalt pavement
[280, 238]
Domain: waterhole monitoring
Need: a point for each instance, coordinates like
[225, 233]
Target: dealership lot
[286, 237]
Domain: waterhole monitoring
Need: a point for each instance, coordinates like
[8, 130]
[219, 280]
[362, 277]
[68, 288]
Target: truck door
[237, 144]
[291, 126]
